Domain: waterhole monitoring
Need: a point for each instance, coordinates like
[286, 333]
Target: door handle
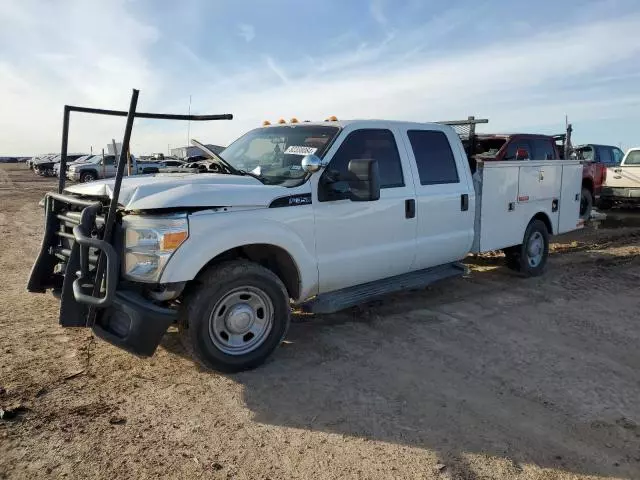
[464, 202]
[410, 208]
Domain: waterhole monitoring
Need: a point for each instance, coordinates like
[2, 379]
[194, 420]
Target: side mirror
[522, 154]
[311, 163]
[364, 183]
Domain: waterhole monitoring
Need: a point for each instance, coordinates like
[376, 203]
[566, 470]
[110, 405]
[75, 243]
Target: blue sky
[523, 65]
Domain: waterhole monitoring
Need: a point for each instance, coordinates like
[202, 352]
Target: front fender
[211, 234]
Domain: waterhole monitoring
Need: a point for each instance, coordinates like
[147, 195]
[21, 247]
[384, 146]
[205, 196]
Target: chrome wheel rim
[535, 249]
[241, 320]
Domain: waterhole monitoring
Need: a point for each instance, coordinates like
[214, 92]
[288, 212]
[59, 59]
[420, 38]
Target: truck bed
[509, 194]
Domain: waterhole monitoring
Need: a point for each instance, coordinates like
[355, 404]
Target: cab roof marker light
[266, 123]
[293, 120]
[282, 121]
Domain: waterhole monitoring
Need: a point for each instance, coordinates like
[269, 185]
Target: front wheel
[530, 258]
[235, 317]
[87, 177]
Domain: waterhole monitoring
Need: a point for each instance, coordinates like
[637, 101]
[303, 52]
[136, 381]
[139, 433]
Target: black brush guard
[80, 255]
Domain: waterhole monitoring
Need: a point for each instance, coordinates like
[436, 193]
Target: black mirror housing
[364, 181]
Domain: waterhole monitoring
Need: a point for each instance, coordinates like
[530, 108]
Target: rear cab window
[543, 149]
[633, 158]
[515, 144]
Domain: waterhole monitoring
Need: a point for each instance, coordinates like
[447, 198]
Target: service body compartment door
[496, 224]
[570, 198]
[539, 183]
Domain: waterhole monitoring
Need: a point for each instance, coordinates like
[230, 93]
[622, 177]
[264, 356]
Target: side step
[349, 297]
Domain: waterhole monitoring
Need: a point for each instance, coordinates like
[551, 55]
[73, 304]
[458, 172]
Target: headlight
[149, 242]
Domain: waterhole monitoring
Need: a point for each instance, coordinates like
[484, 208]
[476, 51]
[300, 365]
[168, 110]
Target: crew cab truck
[317, 215]
[622, 184]
[105, 167]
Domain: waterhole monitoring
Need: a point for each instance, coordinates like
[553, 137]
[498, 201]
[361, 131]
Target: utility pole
[189, 123]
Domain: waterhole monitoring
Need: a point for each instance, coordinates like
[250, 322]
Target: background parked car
[622, 184]
[85, 158]
[44, 167]
[597, 159]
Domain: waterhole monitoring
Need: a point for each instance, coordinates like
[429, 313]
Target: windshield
[274, 154]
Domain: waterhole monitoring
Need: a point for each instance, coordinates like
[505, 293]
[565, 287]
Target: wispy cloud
[376, 8]
[247, 31]
[276, 69]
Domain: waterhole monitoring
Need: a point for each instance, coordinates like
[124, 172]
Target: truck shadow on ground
[460, 368]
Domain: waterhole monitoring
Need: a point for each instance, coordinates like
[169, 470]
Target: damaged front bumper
[67, 264]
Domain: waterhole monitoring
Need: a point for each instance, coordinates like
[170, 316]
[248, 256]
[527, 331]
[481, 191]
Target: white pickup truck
[622, 182]
[317, 215]
[104, 166]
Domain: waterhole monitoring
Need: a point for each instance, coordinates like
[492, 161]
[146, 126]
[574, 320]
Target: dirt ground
[490, 376]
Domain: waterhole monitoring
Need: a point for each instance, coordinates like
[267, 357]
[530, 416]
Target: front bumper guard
[123, 318]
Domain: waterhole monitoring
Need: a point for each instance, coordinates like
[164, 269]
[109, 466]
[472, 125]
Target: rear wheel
[586, 204]
[87, 177]
[236, 316]
[530, 258]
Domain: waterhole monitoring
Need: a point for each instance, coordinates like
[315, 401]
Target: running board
[349, 297]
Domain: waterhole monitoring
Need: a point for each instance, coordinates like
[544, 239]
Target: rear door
[444, 195]
[108, 167]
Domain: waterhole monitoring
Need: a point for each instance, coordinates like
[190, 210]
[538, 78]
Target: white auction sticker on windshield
[300, 150]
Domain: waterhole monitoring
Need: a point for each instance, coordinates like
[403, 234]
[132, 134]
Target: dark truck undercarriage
[81, 255]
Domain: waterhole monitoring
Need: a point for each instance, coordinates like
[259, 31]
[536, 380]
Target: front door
[358, 242]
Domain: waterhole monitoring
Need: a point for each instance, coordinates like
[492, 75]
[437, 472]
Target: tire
[521, 259]
[232, 343]
[586, 204]
[88, 177]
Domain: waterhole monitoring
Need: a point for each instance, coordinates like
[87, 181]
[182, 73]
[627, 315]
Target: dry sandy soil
[490, 376]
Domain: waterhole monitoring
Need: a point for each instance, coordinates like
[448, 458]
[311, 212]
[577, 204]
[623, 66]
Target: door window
[434, 158]
[376, 144]
[605, 155]
[618, 155]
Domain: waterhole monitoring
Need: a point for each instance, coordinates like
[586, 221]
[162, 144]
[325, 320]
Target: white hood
[176, 190]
